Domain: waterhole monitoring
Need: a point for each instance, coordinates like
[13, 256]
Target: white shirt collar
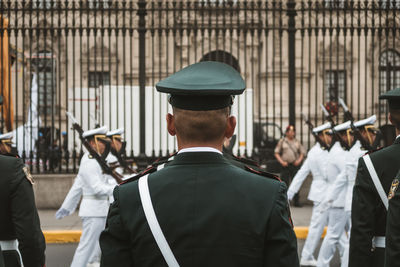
[199, 149]
[398, 136]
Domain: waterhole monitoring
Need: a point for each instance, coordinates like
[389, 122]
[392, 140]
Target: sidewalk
[69, 228]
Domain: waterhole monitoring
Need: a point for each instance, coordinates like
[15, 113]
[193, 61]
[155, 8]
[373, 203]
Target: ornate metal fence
[101, 59]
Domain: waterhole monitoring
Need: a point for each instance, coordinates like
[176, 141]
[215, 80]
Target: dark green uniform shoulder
[12, 167]
[249, 165]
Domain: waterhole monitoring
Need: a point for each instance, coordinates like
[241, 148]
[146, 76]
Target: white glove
[290, 195]
[61, 213]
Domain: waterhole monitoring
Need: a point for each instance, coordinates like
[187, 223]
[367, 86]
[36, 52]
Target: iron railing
[101, 60]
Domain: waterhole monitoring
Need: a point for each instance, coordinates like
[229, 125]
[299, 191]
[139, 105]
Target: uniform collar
[199, 149]
[199, 157]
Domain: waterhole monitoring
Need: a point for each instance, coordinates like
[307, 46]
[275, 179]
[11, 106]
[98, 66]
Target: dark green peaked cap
[205, 85]
[393, 97]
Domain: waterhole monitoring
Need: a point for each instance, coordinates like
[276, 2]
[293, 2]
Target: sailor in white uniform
[93, 210]
[336, 214]
[345, 182]
[73, 197]
[116, 137]
[315, 164]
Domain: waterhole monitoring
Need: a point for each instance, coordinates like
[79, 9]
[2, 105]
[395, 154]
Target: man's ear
[171, 124]
[230, 126]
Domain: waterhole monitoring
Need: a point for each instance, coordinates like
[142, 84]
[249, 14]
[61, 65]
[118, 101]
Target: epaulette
[246, 161]
[148, 170]
[162, 160]
[155, 166]
[262, 173]
[372, 151]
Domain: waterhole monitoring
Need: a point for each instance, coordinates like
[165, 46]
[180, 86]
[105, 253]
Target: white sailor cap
[368, 121]
[119, 131]
[97, 131]
[6, 136]
[342, 127]
[322, 127]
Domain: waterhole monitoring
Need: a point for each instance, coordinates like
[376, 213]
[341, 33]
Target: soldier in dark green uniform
[392, 253]
[20, 235]
[369, 207]
[200, 210]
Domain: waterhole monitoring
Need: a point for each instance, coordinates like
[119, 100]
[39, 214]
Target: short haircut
[201, 126]
[395, 114]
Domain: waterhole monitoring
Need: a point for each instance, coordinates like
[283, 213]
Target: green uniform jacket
[18, 215]
[368, 212]
[211, 212]
[392, 252]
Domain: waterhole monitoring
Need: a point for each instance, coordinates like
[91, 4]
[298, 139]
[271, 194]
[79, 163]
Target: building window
[391, 3]
[335, 85]
[98, 78]
[99, 3]
[335, 3]
[44, 4]
[389, 70]
[44, 64]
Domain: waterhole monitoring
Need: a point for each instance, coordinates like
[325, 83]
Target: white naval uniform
[345, 181]
[73, 197]
[337, 218]
[315, 163]
[96, 188]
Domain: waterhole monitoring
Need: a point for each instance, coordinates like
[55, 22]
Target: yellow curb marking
[66, 236]
[73, 236]
[302, 232]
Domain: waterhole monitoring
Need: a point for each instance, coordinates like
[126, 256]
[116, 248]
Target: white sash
[376, 181]
[153, 222]
[11, 245]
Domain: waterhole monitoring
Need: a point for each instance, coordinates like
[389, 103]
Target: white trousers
[345, 258]
[335, 236]
[319, 219]
[88, 250]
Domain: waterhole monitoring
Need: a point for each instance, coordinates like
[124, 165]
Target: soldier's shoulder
[383, 154]
[154, 167]
[136, 176]
[8, 163]
[14, 169]
[262, 173]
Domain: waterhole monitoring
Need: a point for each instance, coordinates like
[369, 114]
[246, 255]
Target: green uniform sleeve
[281, 242]
[114, 240]
[392, 252]
[26, 220]
[362, 218]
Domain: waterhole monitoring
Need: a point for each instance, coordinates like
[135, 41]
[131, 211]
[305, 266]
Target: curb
[63, 236]
[302, 232]
[73, 236]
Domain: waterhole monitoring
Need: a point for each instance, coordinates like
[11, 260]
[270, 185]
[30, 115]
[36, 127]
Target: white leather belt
[379, 242]
[9, 244]
[101, 197]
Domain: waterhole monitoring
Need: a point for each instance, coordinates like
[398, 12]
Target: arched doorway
[222, 56]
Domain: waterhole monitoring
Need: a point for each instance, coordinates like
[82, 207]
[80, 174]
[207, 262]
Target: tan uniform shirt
[289, 150]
